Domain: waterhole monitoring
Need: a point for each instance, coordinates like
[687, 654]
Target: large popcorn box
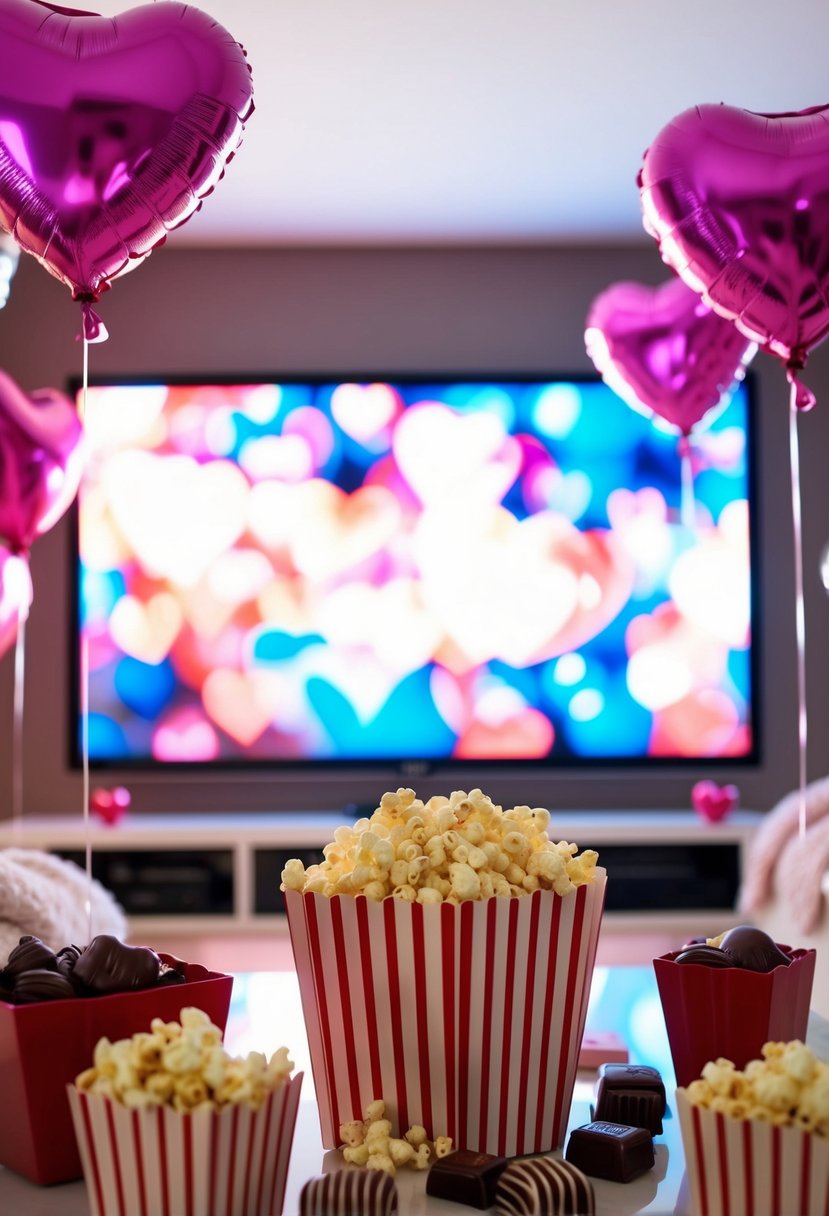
[232, 1162]
[741, 1167]
[464, 1018]
[44, 1046]
[713, 1012]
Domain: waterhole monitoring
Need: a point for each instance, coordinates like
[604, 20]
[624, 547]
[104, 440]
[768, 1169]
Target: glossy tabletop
[266, 1013]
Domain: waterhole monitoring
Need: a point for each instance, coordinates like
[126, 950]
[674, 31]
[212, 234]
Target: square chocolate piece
[611, 1150]
[632, 1094]
[466, 1177]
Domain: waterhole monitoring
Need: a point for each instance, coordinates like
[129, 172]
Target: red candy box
[44, 1046]
[729, 1011]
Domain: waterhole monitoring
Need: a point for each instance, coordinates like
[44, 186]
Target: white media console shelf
[220, 873]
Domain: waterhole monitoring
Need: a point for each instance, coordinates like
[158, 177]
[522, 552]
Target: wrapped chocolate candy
[611, 1150]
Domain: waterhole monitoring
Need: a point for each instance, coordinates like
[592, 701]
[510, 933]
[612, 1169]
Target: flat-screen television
[457, 570]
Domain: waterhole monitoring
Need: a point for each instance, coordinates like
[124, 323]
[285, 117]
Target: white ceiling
[469, 121]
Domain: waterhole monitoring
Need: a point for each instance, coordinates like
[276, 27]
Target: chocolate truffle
[31, 954]
[108, 965]
[544, 1186]
[66, 959]
[41, 985]
[349, 1192]
[632, 1094]
[466, 1177]
[752, 949]
[611, 1150]
[708, 956]
[168, 976]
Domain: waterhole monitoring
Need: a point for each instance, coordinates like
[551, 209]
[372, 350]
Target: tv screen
[446, 569]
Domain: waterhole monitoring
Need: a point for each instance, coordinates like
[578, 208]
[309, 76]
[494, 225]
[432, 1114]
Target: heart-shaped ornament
[739, 203]
[713, 802]
[112, 131]
[110, 806]
[665, 352]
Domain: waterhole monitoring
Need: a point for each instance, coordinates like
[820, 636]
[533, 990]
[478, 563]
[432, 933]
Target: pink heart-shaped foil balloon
[41, 461]
[739, 203]
[713, 802]
[665, 352]
[112, 131]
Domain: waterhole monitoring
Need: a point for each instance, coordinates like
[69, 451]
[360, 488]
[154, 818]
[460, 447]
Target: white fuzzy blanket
[46, 896]
[781, 862]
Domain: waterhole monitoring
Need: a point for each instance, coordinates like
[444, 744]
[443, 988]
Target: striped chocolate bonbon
[544, 1186]
[349, 1192]
[42, 985]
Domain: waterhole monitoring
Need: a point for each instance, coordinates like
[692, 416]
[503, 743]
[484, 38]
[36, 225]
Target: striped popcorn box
[159, 1162]
[744, 1167]
[464, 1018]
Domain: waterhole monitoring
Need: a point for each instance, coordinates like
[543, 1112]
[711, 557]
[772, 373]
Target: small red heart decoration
[713, 802]
[110, 805]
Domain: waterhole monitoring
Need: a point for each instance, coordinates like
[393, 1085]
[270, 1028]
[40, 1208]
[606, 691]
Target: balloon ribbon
[795, 406]
[84, 690]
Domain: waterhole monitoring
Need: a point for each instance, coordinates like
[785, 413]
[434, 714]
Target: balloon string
[687, 505]
[800, 614]
[84, 690]
[17, 727]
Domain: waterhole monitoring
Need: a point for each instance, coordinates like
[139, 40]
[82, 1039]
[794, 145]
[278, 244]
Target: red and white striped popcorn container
[464, 1018]
[745, 1167]
[160, 1162]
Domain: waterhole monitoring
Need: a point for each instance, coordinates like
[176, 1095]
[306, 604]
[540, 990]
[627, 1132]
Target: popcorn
[444, 850]
[183, 1065]
[788, 1087]
[369, 1143]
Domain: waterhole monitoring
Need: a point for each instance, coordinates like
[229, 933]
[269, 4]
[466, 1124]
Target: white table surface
[266, 1013]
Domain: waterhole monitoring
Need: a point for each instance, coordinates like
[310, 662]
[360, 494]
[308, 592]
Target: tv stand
[208, 874]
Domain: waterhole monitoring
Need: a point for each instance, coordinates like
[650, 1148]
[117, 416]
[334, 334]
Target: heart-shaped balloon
[41, 459]
[112, 131]
[739, 203]
[665, 352]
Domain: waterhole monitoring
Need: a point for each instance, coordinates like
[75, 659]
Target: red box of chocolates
[46, 1041]
[727, 1001]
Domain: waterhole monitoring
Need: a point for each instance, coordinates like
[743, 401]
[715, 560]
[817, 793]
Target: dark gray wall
[201, 311]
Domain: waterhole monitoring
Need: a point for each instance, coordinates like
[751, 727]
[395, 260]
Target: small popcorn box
[466, 1019]
[729, 1012]
[44, 1046]
[739, 1167]
[232, 1162]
